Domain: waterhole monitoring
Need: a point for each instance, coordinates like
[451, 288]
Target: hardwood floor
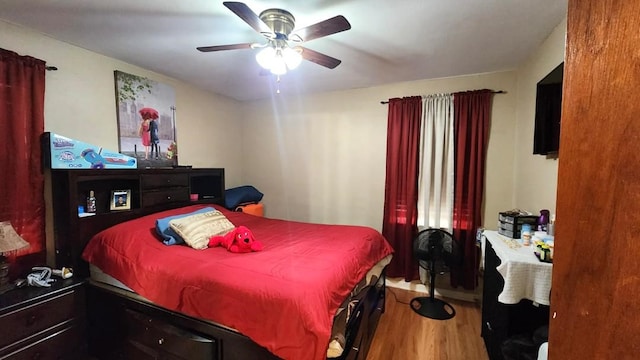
[403, 334]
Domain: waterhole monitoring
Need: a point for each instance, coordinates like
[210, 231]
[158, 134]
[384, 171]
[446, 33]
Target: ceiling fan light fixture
[278, 58]
[265, 57]
[278, 66]
[291, 57]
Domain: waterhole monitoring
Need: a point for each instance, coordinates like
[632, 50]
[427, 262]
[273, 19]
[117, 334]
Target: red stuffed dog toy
[238, 240]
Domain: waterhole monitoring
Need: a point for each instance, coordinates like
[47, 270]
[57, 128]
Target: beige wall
[317, 158]
[536, 176]
[322, 158]
[80, 102]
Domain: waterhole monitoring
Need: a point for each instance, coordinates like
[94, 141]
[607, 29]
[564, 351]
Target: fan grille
[435, 245]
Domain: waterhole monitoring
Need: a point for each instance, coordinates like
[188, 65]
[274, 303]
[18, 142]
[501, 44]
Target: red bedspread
[284, 297]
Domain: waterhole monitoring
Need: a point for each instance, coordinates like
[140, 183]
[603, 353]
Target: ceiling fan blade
[225, 47]
[246, 14]
[327, 27]
[319, 58]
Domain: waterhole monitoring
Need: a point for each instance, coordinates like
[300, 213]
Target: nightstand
[44, 323]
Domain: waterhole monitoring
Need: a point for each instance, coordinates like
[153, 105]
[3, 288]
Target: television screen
[546, 135]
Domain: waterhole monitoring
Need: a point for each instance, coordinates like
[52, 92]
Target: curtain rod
[493, 92]
[51, 68]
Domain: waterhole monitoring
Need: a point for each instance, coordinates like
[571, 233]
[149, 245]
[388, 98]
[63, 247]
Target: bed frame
[122, 326]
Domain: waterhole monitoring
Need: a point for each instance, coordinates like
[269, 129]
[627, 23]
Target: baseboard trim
[419, 287]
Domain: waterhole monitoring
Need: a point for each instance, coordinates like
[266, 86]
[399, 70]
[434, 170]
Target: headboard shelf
[150, 190]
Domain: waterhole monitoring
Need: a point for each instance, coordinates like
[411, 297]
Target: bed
[314, 292]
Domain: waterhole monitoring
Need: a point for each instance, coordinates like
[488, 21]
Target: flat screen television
[546, 134]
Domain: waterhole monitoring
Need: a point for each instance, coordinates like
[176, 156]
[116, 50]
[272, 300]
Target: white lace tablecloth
[525, 277]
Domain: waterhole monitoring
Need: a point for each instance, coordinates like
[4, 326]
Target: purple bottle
[543, 220]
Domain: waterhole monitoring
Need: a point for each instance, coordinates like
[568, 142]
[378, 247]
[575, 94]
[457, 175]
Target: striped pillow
[196, 229]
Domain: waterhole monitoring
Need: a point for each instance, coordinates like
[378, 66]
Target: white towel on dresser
[543, 351]
[525, 277]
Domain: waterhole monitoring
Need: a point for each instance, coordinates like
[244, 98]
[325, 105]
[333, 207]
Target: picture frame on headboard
[146, 115]
[120, 200]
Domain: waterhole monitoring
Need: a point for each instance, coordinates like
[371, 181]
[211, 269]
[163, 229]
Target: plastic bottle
[543, 220]
[526, 234]
[551, 227]
[91, 202]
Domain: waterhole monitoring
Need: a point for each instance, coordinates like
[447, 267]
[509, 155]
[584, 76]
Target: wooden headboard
[151, 190]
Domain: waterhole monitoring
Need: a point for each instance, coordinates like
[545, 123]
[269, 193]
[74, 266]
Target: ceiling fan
[281, 51]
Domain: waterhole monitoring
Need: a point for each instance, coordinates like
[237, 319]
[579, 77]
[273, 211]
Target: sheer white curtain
[435, 183]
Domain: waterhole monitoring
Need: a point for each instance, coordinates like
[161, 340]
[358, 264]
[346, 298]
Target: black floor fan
[436, 252]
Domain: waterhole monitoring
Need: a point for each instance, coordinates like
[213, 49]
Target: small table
[515, 291]
[525, 277]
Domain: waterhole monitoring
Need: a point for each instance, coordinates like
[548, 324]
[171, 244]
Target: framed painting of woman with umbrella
[146, 120]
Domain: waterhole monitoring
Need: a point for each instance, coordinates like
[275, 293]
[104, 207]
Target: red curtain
[401, 184]
[472, 116]
[22, 81]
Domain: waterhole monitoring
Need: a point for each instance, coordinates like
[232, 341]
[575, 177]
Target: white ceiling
[389, 41]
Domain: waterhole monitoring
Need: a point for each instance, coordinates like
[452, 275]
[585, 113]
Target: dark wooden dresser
[151, 338]
[44, 323]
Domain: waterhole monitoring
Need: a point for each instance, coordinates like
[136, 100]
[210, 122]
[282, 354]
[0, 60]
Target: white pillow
[196, 229]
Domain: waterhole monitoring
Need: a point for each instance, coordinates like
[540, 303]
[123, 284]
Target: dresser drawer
[60, 345]
[151, 338]
[151, 198]
[32, 319]
[137, 351]
[151, 181]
